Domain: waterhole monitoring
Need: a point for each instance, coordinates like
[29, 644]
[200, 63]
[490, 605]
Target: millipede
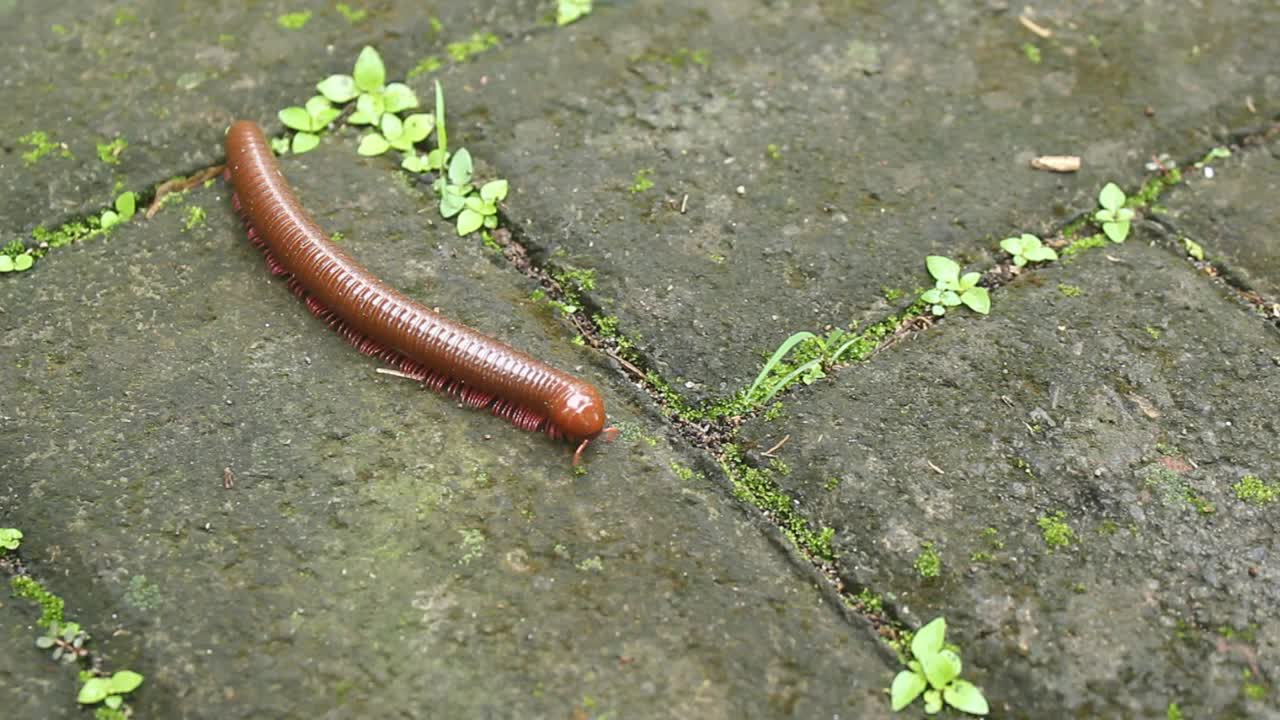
[381, 322]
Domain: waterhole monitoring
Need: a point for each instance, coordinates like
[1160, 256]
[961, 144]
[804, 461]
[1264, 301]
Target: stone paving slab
[1133, 407]
[383, 552]
[169, 79]
[863, 138]
[1234, 215]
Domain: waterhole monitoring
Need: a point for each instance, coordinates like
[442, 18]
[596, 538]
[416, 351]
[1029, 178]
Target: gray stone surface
[1129, 408]
[383, 552]
[901, 129]
[1234, 216]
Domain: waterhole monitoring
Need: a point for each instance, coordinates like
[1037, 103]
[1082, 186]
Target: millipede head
[579, 415]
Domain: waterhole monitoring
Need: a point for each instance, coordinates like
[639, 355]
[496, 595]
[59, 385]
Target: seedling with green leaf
[308, 121]
[397, 134]
[109, 691]
[67, 641]
[125, 206]
[1114, 216]
[10, 538]
[15, 258]
[568, 11]
[366, 86]
[935, 673]
[1027, 248]
[951, 288]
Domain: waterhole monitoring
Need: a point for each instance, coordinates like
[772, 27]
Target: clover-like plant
[1027, 248]
[1114, 216]
[10, 538]
[308, 121]
[15, 262]
[951, 288]
[125, 206]
[67, 641]
[398, 134]
[366, 86]
[109, 691]
[935, 673]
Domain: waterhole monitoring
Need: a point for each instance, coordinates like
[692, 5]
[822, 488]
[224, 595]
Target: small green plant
[458, 197]
[294, 20]
[399, 134]
[1069, 290]
[1114, 216]
[928, 563]
[935, 673]
[195, 217]
[10, 538]
[1055, 530]
[478, 42]
[568, 11]
[41, 144]
[1027, 248]
[109, 153]
[307, 122]
[50, 605]
[1031, 52]
[350, 15]
[125, 206]
[951, 288]
[1193, 248]
[1253, 490]
[109, 691]
[18, 260]
[641, 181]
[67, 641]
[366, 85]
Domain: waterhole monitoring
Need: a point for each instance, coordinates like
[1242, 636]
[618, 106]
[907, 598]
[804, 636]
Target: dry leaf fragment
[1057, 163]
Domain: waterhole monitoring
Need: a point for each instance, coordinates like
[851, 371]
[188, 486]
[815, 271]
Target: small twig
[935, 468]
[627, 365]
[1034, 27]
[684, 203]
[770, 452]
[394, 373]
[228, 478]
[179, 185]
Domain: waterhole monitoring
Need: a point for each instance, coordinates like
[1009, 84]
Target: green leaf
[932, 702]
[95, 690]
[436, 159]
[373, 144]
[418, 126]
[965, 697]
[125, 681]
[494, 191]
[44, 642]
[1193, 248]
[392, 127]
[126, 205]
[338, 88]
[113, 701]
[1011, 245]
[491, 221]
[777, 356]
[1105, 216]
[317, 104]
[295, 118]
[369, 73]
[977, 299]
[1116, 231]
[1042, 254]
[942, 268]
[369, 109]
[1019, 260]
[324, 117]
[280, 145]
[414, 163]
[399, 97]
[110, 219]
[907, 686]
[1111, 197]
[479, 205]
[442, 139]
[451, 203]
[941, 668]
[950, 298]
[938, 310]
[304, 142]
[928, 639]
[968, 280]
[568, 11]
[1124, 214]
[931, 296]
[460, 167]
[469, 221]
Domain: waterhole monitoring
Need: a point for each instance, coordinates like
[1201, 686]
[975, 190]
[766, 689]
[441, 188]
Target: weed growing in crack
[951, 288]
[1027, 248]
[935, 673]
[1114, 216]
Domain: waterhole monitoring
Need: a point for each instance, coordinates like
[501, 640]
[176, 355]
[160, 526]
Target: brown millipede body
[379, 321]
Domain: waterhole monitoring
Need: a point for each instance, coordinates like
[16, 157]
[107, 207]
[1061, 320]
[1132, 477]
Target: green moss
[758, 487]
[1251, 489]
[685, 474]
[350, 15]
[641, 181]
[294, 20]
[472, 46]
[1153, 187]
[1173, 712]
[869, 601]
[428, 64]
[1089, 242]
[195, 217]
[928, 563]
[1055, 530]
[41, 145]
[1069, 290]
[109, 153]
[50, 605]
[1031, 52]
